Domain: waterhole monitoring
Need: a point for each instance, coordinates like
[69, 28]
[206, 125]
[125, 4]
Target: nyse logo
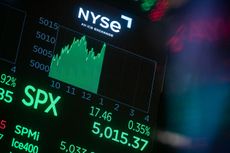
[103, 21]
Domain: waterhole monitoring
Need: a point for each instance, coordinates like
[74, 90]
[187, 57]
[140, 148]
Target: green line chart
[78, 66]
[103, 69]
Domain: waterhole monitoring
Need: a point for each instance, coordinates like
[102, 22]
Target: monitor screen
[77, 76]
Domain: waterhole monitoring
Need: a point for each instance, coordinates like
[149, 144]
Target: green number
[84, 150]
[63, 147]
[130, 125]
[107, 116]
[72, 148]
[145, 144]
[2, 93]
[108, 132]
[3, 78]
[124, 139]
[1, 136]
[25, 147]
[104, 115]
[78, 149]
[138, 127]
[94, 111]
[32, 148]
[116, 135]
[8, 96]
[8, 80]
[96, 129]
[136, 144]
[142, 131]
[97, 111]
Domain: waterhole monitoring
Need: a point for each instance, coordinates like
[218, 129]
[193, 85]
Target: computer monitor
[78, 76]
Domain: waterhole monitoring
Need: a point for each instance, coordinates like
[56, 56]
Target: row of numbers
[72, 148]
[119, 136]
[99, 113]
[89, 97]
[39, 49]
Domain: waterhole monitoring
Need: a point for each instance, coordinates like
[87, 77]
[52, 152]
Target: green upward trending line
[78, 66]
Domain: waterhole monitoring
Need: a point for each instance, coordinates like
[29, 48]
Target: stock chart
[75, 78]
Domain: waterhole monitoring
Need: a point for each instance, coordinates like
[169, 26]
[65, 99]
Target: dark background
[194, 102]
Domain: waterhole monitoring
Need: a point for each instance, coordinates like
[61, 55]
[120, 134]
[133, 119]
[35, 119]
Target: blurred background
[194, 111]
[194, 115]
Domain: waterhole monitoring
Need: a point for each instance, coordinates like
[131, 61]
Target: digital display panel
[77, 77]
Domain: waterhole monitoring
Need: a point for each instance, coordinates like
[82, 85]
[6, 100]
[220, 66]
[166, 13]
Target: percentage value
[8, 80]
[139, 128]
